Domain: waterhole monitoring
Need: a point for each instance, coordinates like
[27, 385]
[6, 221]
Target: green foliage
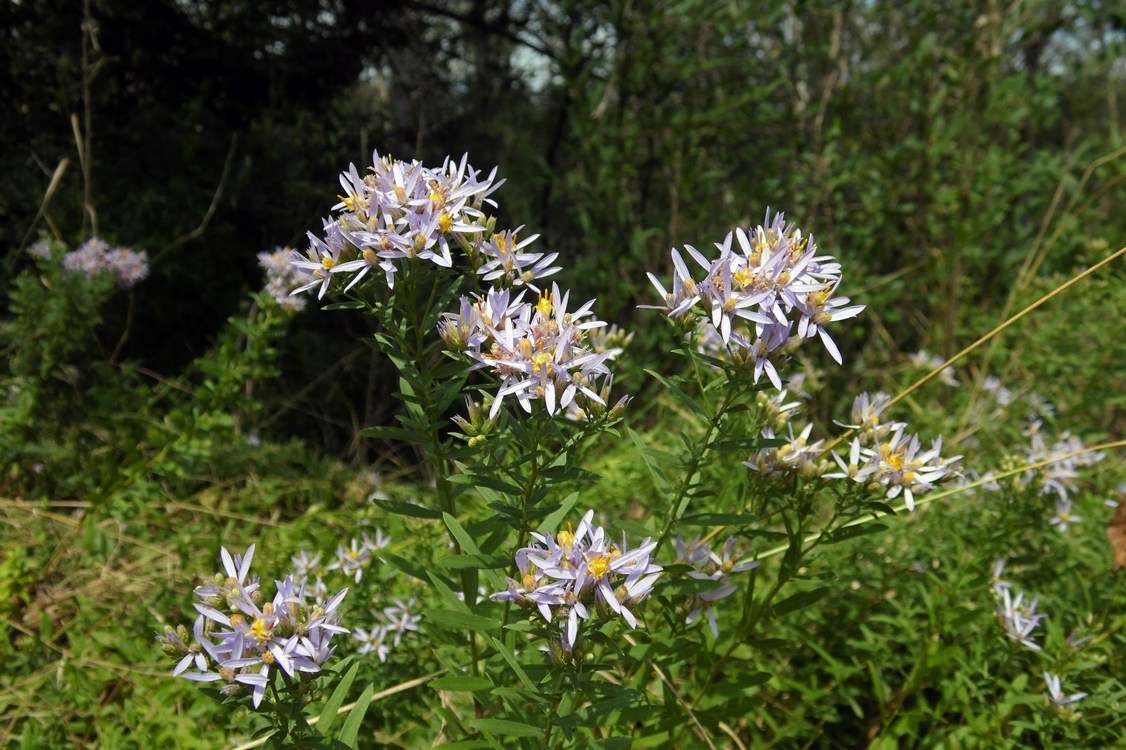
[961, 161]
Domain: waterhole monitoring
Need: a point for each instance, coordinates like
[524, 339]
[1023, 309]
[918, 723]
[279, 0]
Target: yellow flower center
[599, 566]
[542, 361]
[545, 304]
[261, 630]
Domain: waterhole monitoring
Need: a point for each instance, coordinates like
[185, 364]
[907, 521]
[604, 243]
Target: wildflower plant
[530, 622]
[253, 647]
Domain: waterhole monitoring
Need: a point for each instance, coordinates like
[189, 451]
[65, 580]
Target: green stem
[699, 451]
[437, 447]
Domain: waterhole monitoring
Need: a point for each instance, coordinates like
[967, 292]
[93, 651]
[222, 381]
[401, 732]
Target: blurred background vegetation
[946, 152]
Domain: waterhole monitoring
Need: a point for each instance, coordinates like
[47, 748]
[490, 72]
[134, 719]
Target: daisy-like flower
[860, 465]
[905, 467]
[1055, 695]
[578, 574]
[235, 584]
[710, 566]
[540, 351]
[305, 565]
[758, 294]
[1066, 456]
[373, 641]
[321, 257]
[1064, 516]
[867, 410]
[400, 619]
[511, 267]
[1018, 620]
[240, 643]
[354, 559]
[403, 211]
[998, 583]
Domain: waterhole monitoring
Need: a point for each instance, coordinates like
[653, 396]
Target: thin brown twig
[52, 186]
[210, 209]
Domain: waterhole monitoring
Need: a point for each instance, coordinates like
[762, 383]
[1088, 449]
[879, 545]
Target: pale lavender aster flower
[1064, 516]
[1055, 694]
[373, 640]
[1019, 620]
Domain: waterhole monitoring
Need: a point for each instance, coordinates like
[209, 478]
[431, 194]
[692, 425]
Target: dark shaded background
[927, 146]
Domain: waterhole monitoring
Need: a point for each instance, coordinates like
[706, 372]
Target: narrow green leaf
[462, 684]
[851, 532]
[799, 601]
[460, 562]
[414, 570]
[647, 454]
[705, 358]
[409, 509]
[510, 657]
[459, 533]
[506, 727]
[351, 728]
[674, 390]
[336, 700]
[492, 483]
[551, 523]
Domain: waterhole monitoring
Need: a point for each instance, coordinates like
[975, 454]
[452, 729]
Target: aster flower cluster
[709, 566]
[927, 361]
[1018, 618]
[796, 454]
[1060, 477]
[96, 257]
[402, 211]
[391, 624]
[352, 560]
[282, 277]
[242, 642]
[578, 574]
[759, 295]
[885, 455]
[541, 352]
[359, 554]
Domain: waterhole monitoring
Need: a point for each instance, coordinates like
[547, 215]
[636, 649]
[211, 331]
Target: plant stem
[692, 468]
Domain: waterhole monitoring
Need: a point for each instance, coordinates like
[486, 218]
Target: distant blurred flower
[1018, 620]
[927, 361]
[1064, 516]
[96, 257]
[283, 276]
[1055, 694]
